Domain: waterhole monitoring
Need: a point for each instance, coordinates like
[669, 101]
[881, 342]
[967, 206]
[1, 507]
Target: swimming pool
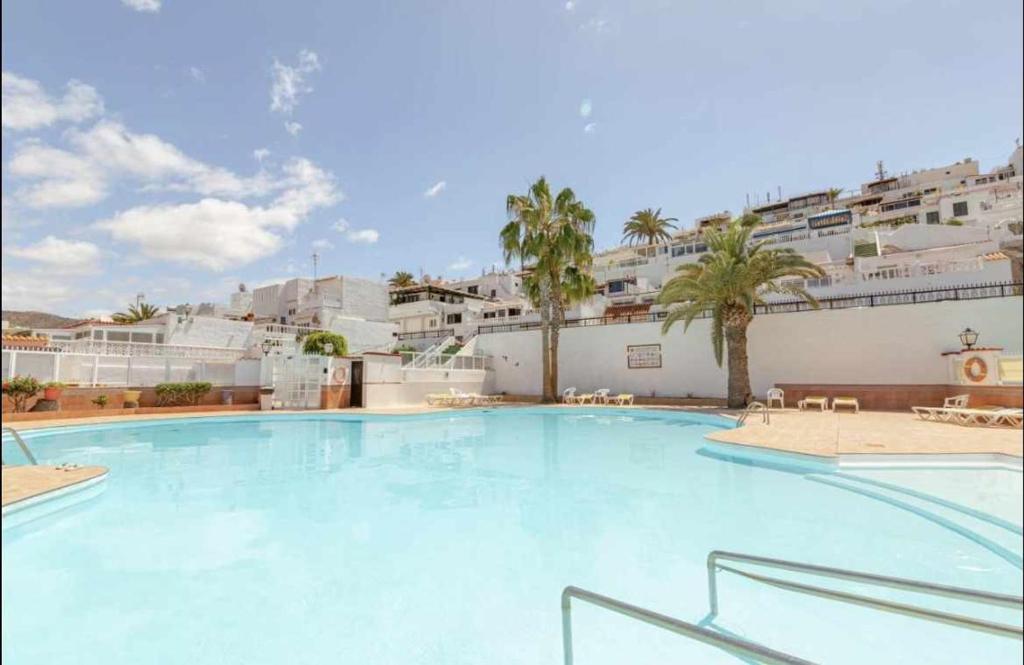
[448, 537]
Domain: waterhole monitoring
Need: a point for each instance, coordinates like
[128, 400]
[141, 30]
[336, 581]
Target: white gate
[296, 381]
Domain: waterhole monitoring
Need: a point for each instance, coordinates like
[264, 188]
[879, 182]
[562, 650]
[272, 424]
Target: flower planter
[52, 393]
[131, 398]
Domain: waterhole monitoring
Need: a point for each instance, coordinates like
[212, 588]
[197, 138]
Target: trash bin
[266, 398]
[227, 397]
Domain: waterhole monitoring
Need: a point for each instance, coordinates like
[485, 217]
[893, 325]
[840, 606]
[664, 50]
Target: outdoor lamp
[329, 348]
[968, 338]
[266, 346]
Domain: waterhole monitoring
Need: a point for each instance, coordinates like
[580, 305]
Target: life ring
[340, 375]
[975, 369]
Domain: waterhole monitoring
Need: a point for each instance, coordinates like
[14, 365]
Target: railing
[21, 444]
[427, 334]
[755, 407]
[144, 350]
[881, 299]
[959, 593]
[734, 645]
[446, 361]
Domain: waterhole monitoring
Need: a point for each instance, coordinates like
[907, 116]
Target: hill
[20, 319]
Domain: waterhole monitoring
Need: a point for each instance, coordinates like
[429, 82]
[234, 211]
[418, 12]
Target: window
[514, 311]
[490, 315]
[494, 293]
[473, 290]
[454, 318]
[960, 209]
[932, 217]
[117, 336]
[433, 323]
[617, 286]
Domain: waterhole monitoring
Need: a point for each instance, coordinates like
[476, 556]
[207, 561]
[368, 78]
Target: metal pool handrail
[755, 407]
[21, 444]
[971, 595]
[733, 645]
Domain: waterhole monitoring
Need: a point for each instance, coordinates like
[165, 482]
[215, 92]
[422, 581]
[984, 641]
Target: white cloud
[22, 290]
[363, 236]
[435, 189]
[357, 236]
[596, 25]
[64, 179]
[142, 5]
[27, 106]
[58, 256]
[197, 74]
[322, 243]
[570, 5]
[586, 108]
[259, 154]
[289, 82]
[218, 234]
[460, 264]
[292, 127]
[109, 151]
[590, 127]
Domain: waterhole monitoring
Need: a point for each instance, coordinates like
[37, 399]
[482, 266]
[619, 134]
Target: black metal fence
[881, 299]
[428, 334]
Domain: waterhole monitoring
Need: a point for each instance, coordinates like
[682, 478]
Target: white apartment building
[934, 228]
[354, 307]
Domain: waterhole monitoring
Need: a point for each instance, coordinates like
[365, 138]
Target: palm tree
[140, 312]
[833, 194]
[553, 236]
[728, 282]
[647, 227]
[401, 279]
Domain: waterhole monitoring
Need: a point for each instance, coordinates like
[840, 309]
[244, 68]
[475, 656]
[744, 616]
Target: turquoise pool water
[448, 538]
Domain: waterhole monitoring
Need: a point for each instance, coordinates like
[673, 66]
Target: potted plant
[131, 398]
[53, 390]
[20, 389]
[101, 401]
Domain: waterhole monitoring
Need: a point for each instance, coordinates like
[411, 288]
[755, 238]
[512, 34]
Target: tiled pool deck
[825, 434]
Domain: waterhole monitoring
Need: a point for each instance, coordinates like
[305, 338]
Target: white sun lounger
[601, 395]
[971, 417]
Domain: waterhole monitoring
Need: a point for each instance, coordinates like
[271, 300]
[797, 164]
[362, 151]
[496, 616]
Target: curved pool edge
[789, 460]
[710, 419]
[44, 504]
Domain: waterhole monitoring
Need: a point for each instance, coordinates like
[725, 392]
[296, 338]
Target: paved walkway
[869, 432]
[25, 482]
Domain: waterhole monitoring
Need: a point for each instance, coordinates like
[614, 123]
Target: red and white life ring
[975, 369]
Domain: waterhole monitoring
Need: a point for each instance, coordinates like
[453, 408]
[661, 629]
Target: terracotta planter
[131, 398]
[52, 394]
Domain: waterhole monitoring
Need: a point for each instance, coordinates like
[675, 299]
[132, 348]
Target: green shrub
[188, 393]
[315, 343]
[954, 222]
[101, 401]
[20, 389]
[54, 384]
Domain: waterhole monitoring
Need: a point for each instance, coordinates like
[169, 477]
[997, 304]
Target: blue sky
[178, 148]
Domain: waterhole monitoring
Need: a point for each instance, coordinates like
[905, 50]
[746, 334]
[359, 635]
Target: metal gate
[296, 381]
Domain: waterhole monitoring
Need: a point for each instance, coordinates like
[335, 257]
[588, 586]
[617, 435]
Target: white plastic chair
[569, 395]
[956, 402]
[776, 394]
[601, 395]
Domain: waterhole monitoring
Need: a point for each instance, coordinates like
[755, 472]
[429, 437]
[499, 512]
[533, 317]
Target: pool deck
[832, 434]
[26, 482]
[827, 435]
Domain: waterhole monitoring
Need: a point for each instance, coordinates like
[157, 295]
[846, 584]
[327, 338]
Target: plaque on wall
[643, 356]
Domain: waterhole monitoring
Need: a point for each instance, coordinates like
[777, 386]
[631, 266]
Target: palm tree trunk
[739, 366]
[557, 318]
[547, 395]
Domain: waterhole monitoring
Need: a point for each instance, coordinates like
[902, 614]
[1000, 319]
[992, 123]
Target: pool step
[999, 536]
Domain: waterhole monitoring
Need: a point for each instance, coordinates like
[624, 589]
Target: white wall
[209, 331]
[899, 344]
